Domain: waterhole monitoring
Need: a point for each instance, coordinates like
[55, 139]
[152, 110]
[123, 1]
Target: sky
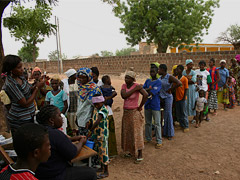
[89, 26]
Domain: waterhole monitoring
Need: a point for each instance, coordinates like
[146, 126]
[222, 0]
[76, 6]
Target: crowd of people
[55, 117]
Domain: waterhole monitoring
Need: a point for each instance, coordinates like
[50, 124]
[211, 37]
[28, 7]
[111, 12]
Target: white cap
[70, 72]
[223, 61]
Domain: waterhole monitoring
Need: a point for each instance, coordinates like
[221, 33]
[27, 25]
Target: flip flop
[138, 160]
[101, 176]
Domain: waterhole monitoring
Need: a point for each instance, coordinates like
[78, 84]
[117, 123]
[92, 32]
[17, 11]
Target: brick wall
[141, 63]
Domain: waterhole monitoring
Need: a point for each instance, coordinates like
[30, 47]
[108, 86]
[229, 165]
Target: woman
[41, 94]
[191, 94]
[132, 120]
[166, 96]
[20, 92]
[213, 87]
[235, 68]
[87, 89]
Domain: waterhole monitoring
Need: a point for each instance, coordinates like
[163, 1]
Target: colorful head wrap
[88, 90]
[157, 65]
[97, 99]
[237, 57]
[173, 68]
[189, 61]
[36, 69]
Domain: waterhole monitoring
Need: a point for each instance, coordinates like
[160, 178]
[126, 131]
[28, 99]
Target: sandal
[158, 146]
[127, 155]
[101, 176]
[138, 160]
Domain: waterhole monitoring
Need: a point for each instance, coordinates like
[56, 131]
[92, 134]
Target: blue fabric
[224, 73]
[154, 101]
[106, 93]
[181, 113]
[57, 100]
[191, 94]
[165, 86]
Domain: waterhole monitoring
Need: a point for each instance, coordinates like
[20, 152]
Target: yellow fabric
[173, 68]
[4, 98]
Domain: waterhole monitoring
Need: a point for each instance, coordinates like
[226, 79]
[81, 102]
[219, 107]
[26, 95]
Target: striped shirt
[8, 173]
[18, 115]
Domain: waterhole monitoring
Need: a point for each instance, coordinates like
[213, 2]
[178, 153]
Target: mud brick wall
[141, 63]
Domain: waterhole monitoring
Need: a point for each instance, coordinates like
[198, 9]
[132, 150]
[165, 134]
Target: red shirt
[8, 173]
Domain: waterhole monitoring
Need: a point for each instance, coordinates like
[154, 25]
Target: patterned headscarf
[88, 90]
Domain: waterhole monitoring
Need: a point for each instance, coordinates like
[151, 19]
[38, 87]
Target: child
[95, 74]
[231, 86]
[203, 79]
[32, 146]
[62, 149]
[152, 107]
[181, 97]
[57, 97]
[200, 107]
[99, 133]
[109, 93]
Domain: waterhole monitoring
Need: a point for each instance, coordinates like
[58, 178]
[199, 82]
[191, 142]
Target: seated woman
[62, 150]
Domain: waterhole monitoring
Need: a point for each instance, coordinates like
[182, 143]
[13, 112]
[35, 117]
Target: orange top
[180, 90]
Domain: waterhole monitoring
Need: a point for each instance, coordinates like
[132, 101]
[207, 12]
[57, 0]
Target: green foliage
[106, 53]
[231, 35]
[30, 26]
[166, 22]
[53, 56]
[26, 53]
[125, 51]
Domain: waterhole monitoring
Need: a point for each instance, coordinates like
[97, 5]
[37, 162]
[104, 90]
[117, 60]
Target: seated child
[200, 107]
[32, 146]
[99, 133]
[62, 150]
[109, 93]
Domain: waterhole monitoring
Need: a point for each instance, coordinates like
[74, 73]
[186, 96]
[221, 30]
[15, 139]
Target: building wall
[141, 63]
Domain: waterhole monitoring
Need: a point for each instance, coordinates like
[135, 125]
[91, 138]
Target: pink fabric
[36, 69]
[132, 101]
[98, 99]
[234, 81]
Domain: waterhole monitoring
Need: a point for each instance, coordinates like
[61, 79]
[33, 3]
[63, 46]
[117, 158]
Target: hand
[169, 91]
[139, 108]
[212, 87]
[83, 139]
[193, 109]
[40, 84]
[138, 87]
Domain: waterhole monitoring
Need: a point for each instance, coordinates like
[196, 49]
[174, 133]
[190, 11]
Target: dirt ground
[209, 152]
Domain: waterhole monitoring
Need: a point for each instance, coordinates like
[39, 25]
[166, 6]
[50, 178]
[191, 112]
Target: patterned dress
[212, 97]
[100, 135]
[236, 75]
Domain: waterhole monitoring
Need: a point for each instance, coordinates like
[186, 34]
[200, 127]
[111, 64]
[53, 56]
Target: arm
[126, 95]
[218, 79]
[144, 98]
[100, 117]
[195, 105]
[112, 96]
[176, 84]
[65, 107]
[79, 145]
[185, 94]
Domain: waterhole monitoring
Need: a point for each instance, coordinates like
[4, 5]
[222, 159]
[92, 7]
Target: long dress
[168, 129]
[191, 93]
[212, 97]
[236, 75]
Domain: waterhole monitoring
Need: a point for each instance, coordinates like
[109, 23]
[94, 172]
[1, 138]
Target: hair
[163, 66]
[9, 63]
[45, 113]
[202, 62]
[95, 70]
[153, 66]
[105, 78]
[27, 138]
[213, 60]
[180, 67]
[57, 78]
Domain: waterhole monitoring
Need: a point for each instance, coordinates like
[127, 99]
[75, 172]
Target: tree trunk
[34, 51]
[161, 48]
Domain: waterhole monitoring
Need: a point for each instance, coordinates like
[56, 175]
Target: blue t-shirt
[57, 100]
[153, 101]
[224, 73]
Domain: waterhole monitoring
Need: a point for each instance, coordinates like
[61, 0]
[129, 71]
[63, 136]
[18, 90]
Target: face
[55, 84]
[44, 152]
[18, 71]
[211, 63]
[83, 79]
[36, 75]
[179, 71]
[72, 79]
[57, 119]
[128, 80]
[95, 77]
[201, 94]
[161, 71]
[202, 66]
[223, 65]
[98, 105]
[189, 66]
[153, 72]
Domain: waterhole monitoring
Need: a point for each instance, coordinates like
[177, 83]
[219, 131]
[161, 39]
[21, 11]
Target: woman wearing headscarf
[235, 68]
[132, 120]
[174, 73]
[86, 90]
[191, 94]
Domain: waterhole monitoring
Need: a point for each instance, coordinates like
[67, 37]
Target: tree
[26, 53]
[231, 35]
[125, 51]
[166, 22]
[106, 53]
[30, 26]
[53, 56]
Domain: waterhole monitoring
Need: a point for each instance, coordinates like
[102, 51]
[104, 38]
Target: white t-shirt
[200, 104]
[99, 83]
[202, 79]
